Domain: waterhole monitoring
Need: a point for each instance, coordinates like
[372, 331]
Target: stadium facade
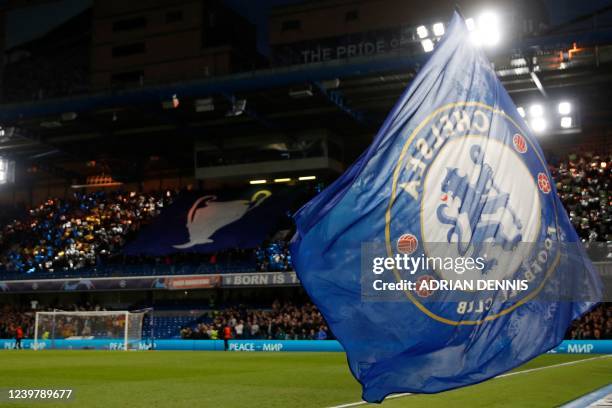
[134, 106]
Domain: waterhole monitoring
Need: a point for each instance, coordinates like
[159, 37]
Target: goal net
[107, 330]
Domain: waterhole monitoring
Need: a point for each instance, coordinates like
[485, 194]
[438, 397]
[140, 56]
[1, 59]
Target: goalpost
[109, 330]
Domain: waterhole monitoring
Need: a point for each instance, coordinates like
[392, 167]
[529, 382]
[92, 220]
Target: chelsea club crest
[482, 191]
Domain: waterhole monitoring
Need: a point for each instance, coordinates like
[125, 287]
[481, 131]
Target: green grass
[248, 380]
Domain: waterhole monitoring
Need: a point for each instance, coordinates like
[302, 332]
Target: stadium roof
[127, 128]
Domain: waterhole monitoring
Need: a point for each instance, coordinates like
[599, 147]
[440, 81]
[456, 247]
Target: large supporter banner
[210, 222]
[177, 282]
[107, 284]
[260, 279]
[566, 347]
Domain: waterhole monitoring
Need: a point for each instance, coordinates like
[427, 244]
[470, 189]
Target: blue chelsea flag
[453, 173]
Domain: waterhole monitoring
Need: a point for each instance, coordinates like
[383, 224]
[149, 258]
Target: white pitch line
[530, 370]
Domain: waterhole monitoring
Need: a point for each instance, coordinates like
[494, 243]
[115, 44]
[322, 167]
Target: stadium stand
[168, 325]
[274, 257]
[11, 317]
[85, 236]
[72, 234]
[279, 321]
[595, 325]
[88, 232]
[583, 183]
[283, 321]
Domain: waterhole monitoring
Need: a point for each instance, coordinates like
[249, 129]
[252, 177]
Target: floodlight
[471, 25]
[438, 29]
[488, 27]
[538, 125]
[422, 32]
[427, 44]
[565, 108]
[566, 122]
[536, 110]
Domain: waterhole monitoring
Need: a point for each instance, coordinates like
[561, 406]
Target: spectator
[18, 337]
[227, 335]
[594, 325]
[239, 329]
[322, 334]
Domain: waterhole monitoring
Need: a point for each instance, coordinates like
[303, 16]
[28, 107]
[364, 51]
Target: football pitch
[217, 379]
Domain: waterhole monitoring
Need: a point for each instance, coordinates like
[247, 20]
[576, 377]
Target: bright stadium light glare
[427, 44]
[282, 180]
[488, 25]
[258, 182]
[485, 30]
[471, 25]
[538, 125]
[475, 37]
[566, 122]
[438, 29]
[306, 178]
[422, 32]
[3, 170]
[521, 111]
[536, 110]
[565, 108]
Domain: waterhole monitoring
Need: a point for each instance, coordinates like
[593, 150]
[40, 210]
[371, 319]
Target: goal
[107, 330]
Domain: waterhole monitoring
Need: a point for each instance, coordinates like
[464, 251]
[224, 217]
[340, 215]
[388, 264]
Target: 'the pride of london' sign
[348, 46]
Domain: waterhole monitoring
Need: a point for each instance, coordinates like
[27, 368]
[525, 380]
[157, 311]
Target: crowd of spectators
[283, 321]
[12, 317]
[66, 326]
[274, 257]
[91, 229]
[584, 182]
[595, 325]
[70, 234]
